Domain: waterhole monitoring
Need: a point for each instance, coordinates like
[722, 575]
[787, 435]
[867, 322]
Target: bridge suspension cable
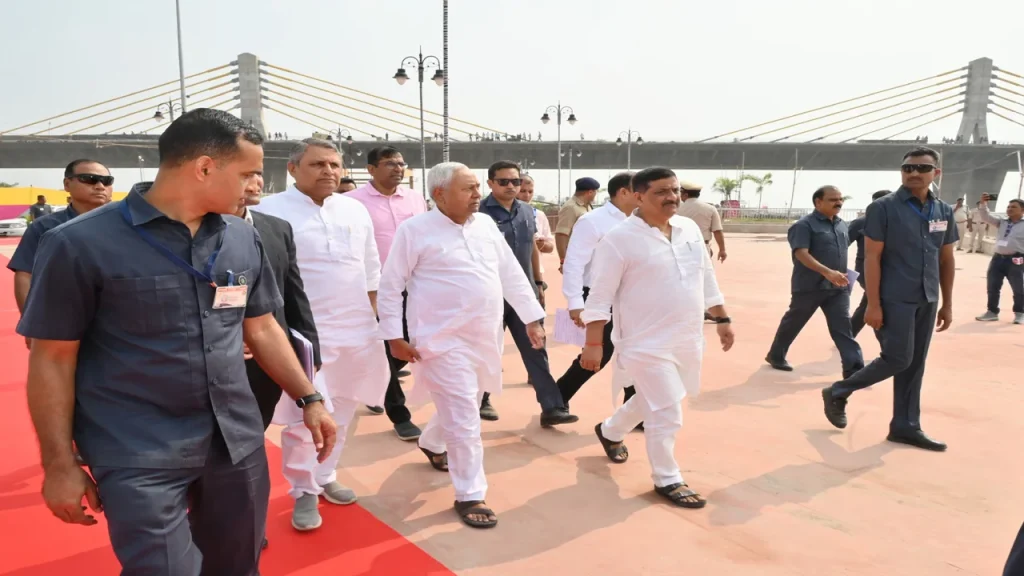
[148, 109]
[278, 98]
[911, 119]
[307, 103]
[1007, 119]
[338, 94]
[872, 103]
[217, 106]
[390, 101]
[306, 122]
[105, 102]
[840, 103]
[876, 120]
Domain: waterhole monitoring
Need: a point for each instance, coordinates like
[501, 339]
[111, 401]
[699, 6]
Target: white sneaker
[306, 515]
[336, 493]
[1018, 318]
[988, 316]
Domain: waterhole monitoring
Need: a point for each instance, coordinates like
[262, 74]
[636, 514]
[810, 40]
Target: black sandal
[616, 451]
[438, 461]
[471, 507]
[678, 494]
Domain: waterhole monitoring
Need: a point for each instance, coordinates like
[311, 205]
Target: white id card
[937, 226]
[1002, 243]
[230, 297]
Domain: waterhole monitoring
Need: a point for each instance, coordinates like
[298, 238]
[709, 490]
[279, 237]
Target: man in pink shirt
[390, 204]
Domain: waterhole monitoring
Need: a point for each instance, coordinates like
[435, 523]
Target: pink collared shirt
[387, 212]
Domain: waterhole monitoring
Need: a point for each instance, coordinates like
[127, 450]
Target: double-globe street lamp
[559, 111]
[345, 137]
[629, 134]
[170, 107]
[421, 63]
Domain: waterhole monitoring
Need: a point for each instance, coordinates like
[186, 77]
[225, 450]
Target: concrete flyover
[970, 169]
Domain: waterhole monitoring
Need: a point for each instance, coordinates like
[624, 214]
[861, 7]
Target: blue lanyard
[1009, 226]
[931, 208]
[206, 275]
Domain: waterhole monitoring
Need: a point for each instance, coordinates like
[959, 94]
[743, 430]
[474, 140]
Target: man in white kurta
[576, 274]
[337, 257]
[653, 273]
[458, 271]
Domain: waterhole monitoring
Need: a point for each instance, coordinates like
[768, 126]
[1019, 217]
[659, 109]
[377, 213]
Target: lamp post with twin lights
[558, 110]
[401, 76]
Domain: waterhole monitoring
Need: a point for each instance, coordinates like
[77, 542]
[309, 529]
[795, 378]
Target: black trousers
[266, 391]
[1000, 267]
[536, 362]
[905, 337]
[1015, 563]
[857, 318]
[835, 304]
[207, 521]
[394, 397]
[576, 376]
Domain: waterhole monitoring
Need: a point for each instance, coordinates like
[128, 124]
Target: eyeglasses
[919, 168]
[94, 179]
[507, 181]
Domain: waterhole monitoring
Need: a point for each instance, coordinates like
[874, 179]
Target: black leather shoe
[778, 364]
[550, 418]
[918, 439]
[375, 410]
[835, 408]
[487, 412]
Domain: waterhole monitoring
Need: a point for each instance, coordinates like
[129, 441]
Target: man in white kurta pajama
[654, 275]
[458, 271]
[340, 267]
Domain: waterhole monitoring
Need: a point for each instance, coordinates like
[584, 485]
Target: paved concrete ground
[788, 493]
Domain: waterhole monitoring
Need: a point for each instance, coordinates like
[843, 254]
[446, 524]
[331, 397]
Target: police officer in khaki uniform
[705, 215]
[571, 211]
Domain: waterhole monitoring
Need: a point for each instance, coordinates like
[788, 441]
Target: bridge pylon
[974, 122]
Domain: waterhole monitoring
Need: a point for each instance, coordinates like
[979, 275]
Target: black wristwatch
[724, 320]
[306, 400]
[543, 285]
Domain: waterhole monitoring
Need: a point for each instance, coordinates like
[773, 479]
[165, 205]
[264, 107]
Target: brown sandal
[475, 507]
[678, 494]
[616, 451]
[438, 461]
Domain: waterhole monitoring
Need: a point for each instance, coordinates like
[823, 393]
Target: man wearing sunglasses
[909, 237]
[517, 224]
[90, 185]
[1007, 260]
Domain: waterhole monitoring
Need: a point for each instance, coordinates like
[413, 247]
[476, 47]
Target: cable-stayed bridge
[868, 132]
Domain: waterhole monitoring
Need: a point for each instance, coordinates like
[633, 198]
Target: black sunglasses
[919, 168]
[507, 181]
[93, 179]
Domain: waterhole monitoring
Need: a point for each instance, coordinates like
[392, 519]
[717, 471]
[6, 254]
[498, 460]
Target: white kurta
[337, 256]
[586, 233]
[458, 278]
[658, 291]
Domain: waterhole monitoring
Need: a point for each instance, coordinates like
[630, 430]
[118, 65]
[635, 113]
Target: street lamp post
[421, 63]
[525, 165]
[181, 57]
[559, 110]
[629, 134]
[170, 107]
[345, 136]
[572, 152]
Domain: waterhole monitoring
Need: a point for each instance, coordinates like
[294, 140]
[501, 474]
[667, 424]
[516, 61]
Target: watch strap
[306, 400]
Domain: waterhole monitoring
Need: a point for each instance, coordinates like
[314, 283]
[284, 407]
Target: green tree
[761, 182]
[8, 184]
[726, 186]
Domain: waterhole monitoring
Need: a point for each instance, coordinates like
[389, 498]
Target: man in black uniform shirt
[857, 235]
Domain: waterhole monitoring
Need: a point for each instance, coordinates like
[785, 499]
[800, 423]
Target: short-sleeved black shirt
[25, 254]
[910, 258]
[827, 241]
[856, 232]
[39, 210]
[159, 370]
[519, 226]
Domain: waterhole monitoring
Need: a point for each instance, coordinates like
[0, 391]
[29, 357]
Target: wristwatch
[543, 285]
[306, 400]
[724, 320]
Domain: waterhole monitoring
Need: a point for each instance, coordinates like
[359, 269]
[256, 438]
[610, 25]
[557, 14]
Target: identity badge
[230, 297]
[937, 226]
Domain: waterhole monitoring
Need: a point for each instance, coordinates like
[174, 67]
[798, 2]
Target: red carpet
[34, 543]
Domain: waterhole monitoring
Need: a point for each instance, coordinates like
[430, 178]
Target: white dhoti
[348, 377]
[661, 382]
[452, 382]
[961, 228]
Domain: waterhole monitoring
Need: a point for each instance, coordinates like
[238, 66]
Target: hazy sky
[671, 70]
